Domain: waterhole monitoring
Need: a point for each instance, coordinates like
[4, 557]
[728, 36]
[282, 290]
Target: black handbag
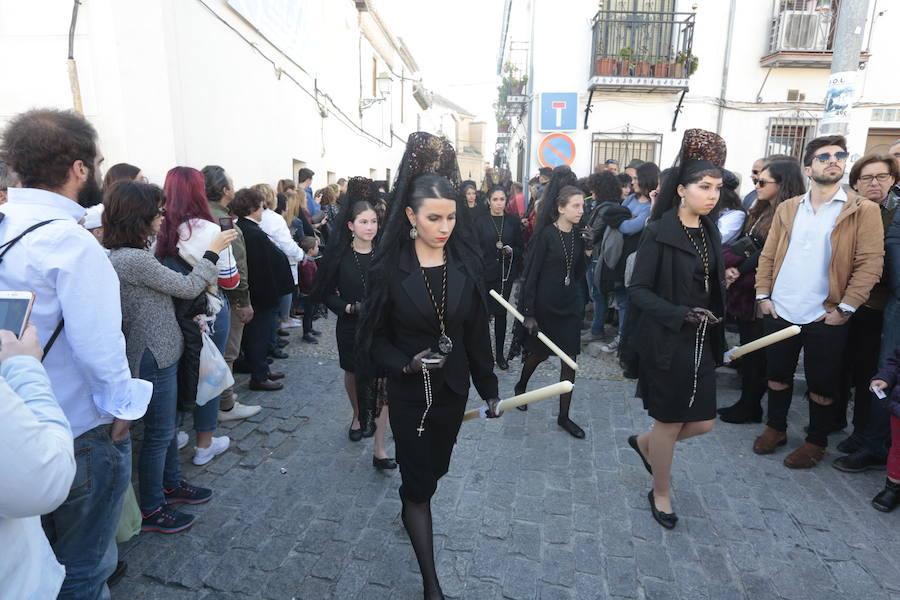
[745, 246]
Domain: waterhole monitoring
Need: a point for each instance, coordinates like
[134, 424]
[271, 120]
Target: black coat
[189, 363]
[409, 325]
[486, 229]
[267, 266]
[661, 285]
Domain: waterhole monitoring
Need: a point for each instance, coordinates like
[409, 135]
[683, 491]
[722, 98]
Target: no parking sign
[555, 150]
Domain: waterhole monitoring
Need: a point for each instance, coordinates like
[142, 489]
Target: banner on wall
[839, 98]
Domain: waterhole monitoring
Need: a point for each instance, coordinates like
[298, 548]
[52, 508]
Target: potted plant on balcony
[685, 65]
[503, 125]
[661, 67]
[604, 66]
[624, 65]
[642, 65]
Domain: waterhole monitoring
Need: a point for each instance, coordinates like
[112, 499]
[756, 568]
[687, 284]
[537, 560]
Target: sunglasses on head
[827, 156]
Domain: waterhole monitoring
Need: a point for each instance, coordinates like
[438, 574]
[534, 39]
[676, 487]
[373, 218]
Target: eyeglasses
[827, 156]
[755, 171]
[761, 183]
[881, 177]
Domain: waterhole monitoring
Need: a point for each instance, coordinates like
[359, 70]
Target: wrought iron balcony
[800, 36]
[642, 50]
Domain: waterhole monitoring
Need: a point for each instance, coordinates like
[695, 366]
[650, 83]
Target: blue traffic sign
[559, 111]
[555, 150]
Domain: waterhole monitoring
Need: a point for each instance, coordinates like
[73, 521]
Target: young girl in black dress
[500, 236]
[678, 287]
[342, 283]
[425, 323]
[554, 266]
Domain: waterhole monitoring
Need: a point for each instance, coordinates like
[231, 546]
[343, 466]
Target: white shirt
[37, 465]
[71, 277]
[730, 224]
[801, 287]
[276, 228]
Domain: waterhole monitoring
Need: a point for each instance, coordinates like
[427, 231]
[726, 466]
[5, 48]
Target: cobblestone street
[526, 511]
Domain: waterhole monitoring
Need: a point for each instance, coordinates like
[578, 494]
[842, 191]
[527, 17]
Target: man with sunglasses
[758, 165]
[823, 255]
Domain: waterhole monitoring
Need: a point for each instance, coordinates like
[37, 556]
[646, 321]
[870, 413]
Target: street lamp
[383, 85]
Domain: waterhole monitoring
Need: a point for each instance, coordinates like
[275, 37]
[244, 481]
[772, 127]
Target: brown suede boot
[769, 440]
[805, 457]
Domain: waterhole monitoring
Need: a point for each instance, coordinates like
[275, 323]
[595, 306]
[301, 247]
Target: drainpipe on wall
[73, 68]
[731, 10]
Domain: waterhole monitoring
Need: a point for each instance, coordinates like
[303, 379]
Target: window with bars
[790, 135]
[625, 148]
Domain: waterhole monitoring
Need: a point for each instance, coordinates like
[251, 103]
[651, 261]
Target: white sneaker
[217, 447]
[239, 411]
[182, 439]
[290, 323]
[611, 347]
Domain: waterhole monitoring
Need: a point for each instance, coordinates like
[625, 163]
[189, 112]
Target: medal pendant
[445, 344]
[567, 281]
[499, 245]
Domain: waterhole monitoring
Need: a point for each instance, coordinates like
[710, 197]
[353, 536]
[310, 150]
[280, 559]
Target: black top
[545, 281]
[349, 285]
[270, 272]
[475, 212]
[409, 325]
[486, 227]
[664, 287]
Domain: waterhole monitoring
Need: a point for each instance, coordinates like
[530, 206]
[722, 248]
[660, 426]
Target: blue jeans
[82, 531]
[620, 295]
[158, 464]
[206, 417]
[598, 298]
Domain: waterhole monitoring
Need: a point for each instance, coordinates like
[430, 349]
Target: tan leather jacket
[857, 250]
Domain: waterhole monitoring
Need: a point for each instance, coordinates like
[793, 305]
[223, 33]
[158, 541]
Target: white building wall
[167, 83]
[562, 55]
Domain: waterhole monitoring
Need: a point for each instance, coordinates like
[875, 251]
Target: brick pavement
[526, 511]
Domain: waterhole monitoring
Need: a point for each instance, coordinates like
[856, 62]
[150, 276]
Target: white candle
[562, 387]
[547, 341]
[762, 342]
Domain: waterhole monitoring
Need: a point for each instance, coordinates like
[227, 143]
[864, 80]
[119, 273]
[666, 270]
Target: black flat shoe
[632, 441]
[283, 333]
[315, 332]
[888, 498]
[570, 426]
[850, 446]
[384, 464]
[739, 415]
[667, 520]
[502, 363]
[355, 435]
[518, 391]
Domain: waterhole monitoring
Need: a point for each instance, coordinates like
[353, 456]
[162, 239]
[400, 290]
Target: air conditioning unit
[796, 96]
[802, 30]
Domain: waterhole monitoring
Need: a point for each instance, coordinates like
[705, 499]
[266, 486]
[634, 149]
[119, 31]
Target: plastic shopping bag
[215, 376]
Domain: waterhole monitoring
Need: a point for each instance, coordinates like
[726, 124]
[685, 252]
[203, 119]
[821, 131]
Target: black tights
[565, 373]
[417, 521]
[499, 333]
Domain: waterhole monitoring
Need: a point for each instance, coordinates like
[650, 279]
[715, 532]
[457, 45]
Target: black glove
[492, 408]
[531, 326]
[416, 365]
[587, 234]
[696, 315]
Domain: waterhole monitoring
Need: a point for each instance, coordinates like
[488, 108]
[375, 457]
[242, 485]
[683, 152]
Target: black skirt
[667, 393]
[345, 334]
[425, 459]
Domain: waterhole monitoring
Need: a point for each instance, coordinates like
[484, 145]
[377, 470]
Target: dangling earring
[682, 201]
[413, 232]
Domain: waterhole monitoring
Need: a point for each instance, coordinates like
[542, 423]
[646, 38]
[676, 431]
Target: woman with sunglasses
[777, 181]
[153, 340]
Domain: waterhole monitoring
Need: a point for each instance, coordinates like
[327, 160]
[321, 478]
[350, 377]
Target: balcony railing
[801, 37]
[642, 50]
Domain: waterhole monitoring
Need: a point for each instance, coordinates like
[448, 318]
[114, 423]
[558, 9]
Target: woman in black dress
[425, 323]
[500, 235]
[474, 203]
[341, 283]
[678, 287]
[554, 266]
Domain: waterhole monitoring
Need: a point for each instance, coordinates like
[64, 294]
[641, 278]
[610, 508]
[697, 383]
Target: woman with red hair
[186, 231]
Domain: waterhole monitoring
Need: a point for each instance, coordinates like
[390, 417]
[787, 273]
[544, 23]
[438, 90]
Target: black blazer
[660, 288]
[268, 267]
[409, 325]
